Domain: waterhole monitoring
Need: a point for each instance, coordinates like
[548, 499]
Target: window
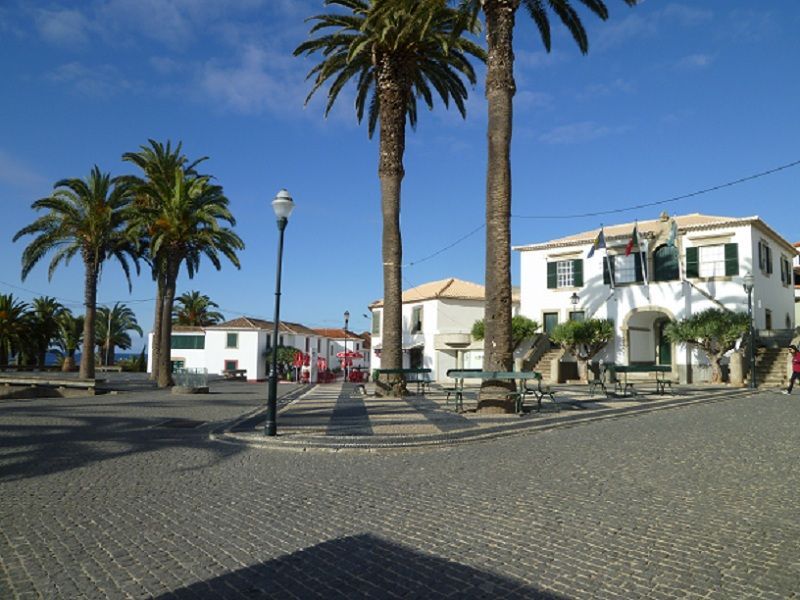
[565, 273]
[577, 315]
[231, 365]
[665, 263]
[269, 341]
[625, 269]
[712, 261]
[786, 271]
[376, 322]
[416, 319]
[319, 346]
[765, 257]
[280, 340]
[308, 345]
[232, 340]
[188, 342]
[768, 319]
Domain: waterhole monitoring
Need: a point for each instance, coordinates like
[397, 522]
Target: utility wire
[616, 210]
[668, 200]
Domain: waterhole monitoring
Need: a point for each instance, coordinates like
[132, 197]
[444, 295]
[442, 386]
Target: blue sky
[673, 97]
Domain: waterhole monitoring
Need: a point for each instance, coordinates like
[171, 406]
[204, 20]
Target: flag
[673, 234]
[599, 242]
[634, 241]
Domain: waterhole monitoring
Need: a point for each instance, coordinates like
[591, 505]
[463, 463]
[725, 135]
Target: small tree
[522, 328]
[583, 339]
[714, 331]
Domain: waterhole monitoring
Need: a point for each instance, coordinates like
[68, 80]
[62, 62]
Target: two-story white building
[680, 266]
[437, 324]
[240, 343]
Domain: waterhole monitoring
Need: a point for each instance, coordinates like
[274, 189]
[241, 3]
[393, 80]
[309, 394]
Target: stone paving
[97, 500]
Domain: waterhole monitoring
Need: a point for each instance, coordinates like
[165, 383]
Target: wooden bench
[457, 389]
[628, 388]
[235, 374]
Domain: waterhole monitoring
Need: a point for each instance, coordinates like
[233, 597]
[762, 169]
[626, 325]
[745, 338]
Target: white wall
[248, 352]
[192, 359]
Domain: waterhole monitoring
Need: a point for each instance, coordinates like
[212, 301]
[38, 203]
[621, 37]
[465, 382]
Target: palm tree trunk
[69, 362]
[90, 301]
[3, 353]
[164, 364]
[155, 350]
[498, 352]
[393, 94]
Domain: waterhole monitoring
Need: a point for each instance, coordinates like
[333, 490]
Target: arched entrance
[645, 338]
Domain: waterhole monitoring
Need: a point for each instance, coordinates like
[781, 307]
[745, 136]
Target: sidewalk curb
[526, 424]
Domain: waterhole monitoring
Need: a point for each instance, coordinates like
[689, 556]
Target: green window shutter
[692, 263]
[760, 256]
[606, 276]
[552, 277]
[731, 259]
[577, 272]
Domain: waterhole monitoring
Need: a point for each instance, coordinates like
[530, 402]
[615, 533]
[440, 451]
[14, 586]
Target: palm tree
[113, 326]
[12, 325]
[158, 162]
[397, 51]
[195, 309]
[500, 88]
[181, 219]
[44, 325]
[70, 336]
[86, 217]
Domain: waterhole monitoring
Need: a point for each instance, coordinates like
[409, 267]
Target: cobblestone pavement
[697, 502]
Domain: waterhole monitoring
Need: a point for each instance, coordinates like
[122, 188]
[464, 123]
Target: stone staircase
[544, 364]
[770, 368]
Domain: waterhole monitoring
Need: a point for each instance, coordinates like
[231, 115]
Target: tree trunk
[716, 369]
[165, 364]
[583, 369]
[90, 301]
[69, 362]
[3, 353]
[500, 87]
[155, 350]
[393, 92]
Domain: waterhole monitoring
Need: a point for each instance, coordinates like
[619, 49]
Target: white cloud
[576, 133]
[695, 61]
[526, 100]
[617, 86]
[65, 28]
[687, 15]
[102, 81]
[260, 81]
[16, 174]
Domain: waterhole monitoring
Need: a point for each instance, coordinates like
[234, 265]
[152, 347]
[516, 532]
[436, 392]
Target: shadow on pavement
[362, 566]
[31, 450]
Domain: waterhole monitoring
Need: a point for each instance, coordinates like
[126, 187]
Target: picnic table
[422, 377]
[235, 373]
[627, 387]
[539, 391]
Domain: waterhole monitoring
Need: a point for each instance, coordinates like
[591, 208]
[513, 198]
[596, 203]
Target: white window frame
[565, 274]
[624, 268]
[227, 339]
[711, 260]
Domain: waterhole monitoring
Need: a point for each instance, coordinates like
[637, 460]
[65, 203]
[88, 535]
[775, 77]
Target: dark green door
[664, 346]
[550, 322]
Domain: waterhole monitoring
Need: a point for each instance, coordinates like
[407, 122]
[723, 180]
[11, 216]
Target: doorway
[416, 358]
[664, 346]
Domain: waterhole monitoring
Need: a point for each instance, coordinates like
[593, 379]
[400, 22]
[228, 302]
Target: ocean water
[52, 359]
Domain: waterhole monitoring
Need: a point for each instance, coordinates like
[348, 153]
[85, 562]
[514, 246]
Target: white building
[339, 340]
[437, 321]
[682, 266]
[241, 343]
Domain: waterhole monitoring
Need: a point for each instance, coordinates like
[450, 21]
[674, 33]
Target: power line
[616, 210]
[668, 200]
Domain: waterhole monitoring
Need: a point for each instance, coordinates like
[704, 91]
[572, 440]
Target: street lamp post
[282, 205]
[748, 283]
[346, 323]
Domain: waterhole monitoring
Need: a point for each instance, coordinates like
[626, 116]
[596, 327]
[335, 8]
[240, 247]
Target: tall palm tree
[113, 325]
[500, 88]
[396, 51]
[12, 325]
[196, 309]
[44, 325]
[182, 220]
[86, 217]
[158, 163]
[70, 336]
